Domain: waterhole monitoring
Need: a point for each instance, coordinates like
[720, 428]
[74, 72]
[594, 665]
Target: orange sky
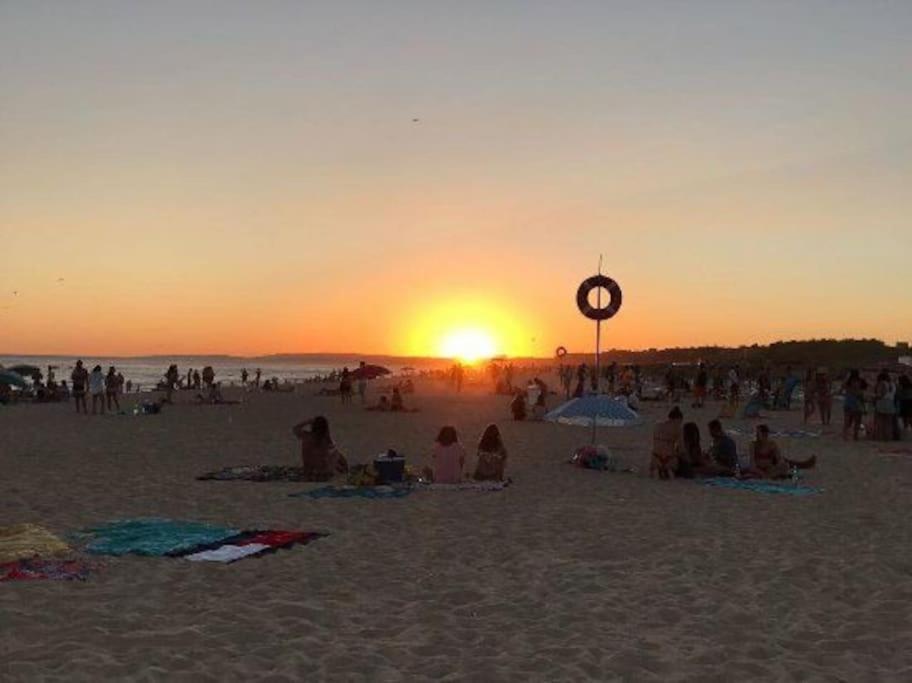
[254, 183]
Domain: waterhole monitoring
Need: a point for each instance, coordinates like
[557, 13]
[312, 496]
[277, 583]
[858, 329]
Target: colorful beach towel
[760, 486]
[355, 492]
[22, 541]
[37, 568]
[193, 541]
[248, 544]
[151, 537]
[255, 473]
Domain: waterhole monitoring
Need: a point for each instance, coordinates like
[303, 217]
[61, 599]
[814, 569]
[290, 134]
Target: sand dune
[566, 575]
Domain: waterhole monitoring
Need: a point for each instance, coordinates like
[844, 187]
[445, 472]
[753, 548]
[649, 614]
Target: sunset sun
[468, 345]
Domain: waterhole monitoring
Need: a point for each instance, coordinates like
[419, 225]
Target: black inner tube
[590, 311]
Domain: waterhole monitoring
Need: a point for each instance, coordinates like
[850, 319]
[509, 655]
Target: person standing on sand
[244, 377]
[256, 381]
[884, 407]
[97, 389]
[345, 386]
[700, 382]
[362, 383]
[111, 389]
[810, 388]
[904, 402]
[80, 380]
[854, 405]
[171, 377]
[824, 393]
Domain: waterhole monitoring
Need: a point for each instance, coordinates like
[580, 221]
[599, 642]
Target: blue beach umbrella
[603, 411]
[11, 378]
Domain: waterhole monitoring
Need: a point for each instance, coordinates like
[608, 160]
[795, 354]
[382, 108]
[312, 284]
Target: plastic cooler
[389, 469]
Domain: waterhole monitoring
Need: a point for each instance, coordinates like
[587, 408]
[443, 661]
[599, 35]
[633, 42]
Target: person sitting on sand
[320, 459]
[383, 405]
[766, 458]
[724, 450]
[767, 461]
[492, 456]
[518, 406]
[666, 445]
[449, 457]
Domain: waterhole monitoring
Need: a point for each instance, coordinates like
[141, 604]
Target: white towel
[227, 553]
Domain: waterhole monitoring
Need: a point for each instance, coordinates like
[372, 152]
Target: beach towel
[23, 541]
[760, 486]
[38, 568]
[355, 492]
[255, 473]
[795, 434]
[898, 451]
[151, 537]
[248, 544]
[465, 486]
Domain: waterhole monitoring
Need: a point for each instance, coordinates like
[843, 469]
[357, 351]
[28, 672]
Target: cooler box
[389, 470]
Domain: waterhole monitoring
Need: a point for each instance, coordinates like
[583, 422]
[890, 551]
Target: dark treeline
[836, 354]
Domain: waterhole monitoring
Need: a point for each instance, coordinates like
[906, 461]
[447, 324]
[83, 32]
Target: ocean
[147, 371]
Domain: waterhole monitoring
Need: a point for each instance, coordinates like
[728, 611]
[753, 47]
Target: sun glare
[468, 346]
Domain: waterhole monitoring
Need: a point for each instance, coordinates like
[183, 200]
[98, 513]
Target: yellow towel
[22, 541]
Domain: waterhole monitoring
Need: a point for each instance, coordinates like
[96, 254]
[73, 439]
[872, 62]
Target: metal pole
[598, 363]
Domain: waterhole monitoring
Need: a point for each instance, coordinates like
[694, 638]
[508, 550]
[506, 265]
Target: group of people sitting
[392, 403]
[677, 452]
[321, 460]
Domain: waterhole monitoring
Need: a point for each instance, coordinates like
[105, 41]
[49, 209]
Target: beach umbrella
[13, 379]
[26, 371]
[369, 372]
[599, 410]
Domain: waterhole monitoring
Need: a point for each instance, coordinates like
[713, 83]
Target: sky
[250, 178]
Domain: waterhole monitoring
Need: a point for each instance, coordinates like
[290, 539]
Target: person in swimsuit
[667, 445]
[320, 459]
[80, 380]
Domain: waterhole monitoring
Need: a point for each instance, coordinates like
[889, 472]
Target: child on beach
[449, 457]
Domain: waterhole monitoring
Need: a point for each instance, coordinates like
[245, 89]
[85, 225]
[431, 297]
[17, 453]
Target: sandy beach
[568, 574]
